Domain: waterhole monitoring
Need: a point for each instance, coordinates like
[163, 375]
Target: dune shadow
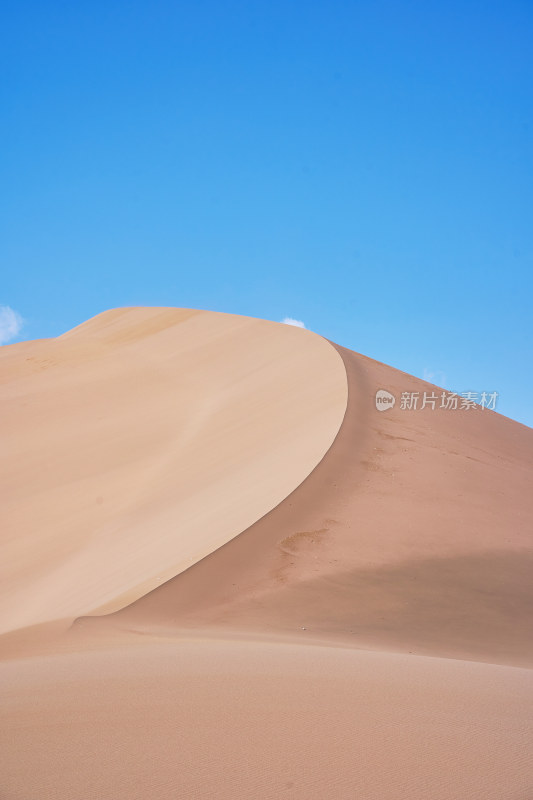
[478, 606]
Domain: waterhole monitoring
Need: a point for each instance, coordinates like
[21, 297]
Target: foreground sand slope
[414, 533]
[144, 439]
[238, 720]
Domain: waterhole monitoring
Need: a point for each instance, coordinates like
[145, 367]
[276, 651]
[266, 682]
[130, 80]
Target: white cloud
[296, 322]
[10, 324]
[436, 376]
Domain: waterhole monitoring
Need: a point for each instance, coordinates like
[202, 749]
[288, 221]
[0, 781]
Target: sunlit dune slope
[144, 439]
[414, 533]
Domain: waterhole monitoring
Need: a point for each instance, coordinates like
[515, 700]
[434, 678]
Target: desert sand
[225, 574]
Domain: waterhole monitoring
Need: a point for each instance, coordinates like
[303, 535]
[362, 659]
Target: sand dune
[280, 591]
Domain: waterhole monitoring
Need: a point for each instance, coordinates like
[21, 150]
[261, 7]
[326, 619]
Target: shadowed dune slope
[412, 534]
[144, 439]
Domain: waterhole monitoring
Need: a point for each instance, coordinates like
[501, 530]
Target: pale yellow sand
[141, 441]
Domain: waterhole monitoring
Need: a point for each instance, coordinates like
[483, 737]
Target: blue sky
[365, 167]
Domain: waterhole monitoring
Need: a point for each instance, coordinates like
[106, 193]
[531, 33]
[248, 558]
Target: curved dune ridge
[282, 592]
[413, 533]
[144, 439]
